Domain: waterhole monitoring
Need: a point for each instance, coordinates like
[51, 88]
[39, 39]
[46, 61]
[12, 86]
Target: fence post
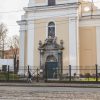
[70, 73]
[28, 68]
[27, 71]
[96, 73]
[8, 74]
[37, 75]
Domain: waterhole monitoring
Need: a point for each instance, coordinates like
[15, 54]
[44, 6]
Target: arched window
[51, 29]
[51, 2]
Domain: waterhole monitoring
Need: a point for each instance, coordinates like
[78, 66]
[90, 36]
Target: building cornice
[22, 22]
[56, 7]
[89, 22]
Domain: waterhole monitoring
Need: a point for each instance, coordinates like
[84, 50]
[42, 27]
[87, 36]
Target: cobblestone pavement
[48, 93]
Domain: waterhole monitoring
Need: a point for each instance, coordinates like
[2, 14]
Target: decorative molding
[53, 14]
[66, 1]
[22, 24]
[32, 3]
[89, 22]
[47, 8]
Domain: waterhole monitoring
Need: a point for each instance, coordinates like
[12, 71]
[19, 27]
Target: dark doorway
[51, 69]
[51, 2]
[4, 68]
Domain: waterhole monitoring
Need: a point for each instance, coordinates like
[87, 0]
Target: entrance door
[51, 2]
[51, 69]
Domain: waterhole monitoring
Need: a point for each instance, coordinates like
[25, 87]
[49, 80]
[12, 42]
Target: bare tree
[13, 42]
[14, 46]
[3, 35]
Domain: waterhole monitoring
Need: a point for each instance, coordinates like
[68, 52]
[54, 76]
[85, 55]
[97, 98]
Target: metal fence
[90, 74]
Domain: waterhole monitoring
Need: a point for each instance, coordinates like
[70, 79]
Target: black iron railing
[66, 74]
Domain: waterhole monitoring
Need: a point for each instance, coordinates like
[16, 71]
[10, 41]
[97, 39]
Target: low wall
[7, 62]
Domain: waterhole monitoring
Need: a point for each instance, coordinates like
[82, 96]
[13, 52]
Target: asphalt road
[48, 93]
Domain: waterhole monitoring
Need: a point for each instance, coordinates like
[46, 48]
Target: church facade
[53, 33]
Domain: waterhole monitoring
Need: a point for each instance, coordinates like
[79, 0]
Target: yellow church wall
[40, 34]
[41, 29]
[63, 34]
[87, 52]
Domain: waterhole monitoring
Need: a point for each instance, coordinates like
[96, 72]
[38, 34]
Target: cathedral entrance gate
[51, 68]
[51, 57]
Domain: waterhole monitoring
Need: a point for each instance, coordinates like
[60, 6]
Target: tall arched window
[51, 29]
[51, 2]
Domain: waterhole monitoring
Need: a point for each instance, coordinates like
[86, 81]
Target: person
[29, 76]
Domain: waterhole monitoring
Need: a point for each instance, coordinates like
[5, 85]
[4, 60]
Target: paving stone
[31, 93]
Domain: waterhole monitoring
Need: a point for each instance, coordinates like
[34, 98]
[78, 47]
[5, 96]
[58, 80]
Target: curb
[51, 85]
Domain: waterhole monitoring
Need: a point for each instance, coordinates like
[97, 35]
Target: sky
[9, 17]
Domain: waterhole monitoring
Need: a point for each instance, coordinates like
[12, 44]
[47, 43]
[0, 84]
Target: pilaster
[98, 45]
[73, 43]
[22, 46]
[30, 44]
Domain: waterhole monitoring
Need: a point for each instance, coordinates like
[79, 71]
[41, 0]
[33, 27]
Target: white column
[30, 44]
[73, 31]
[22, 35]
[22, 47]
[98, 45]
